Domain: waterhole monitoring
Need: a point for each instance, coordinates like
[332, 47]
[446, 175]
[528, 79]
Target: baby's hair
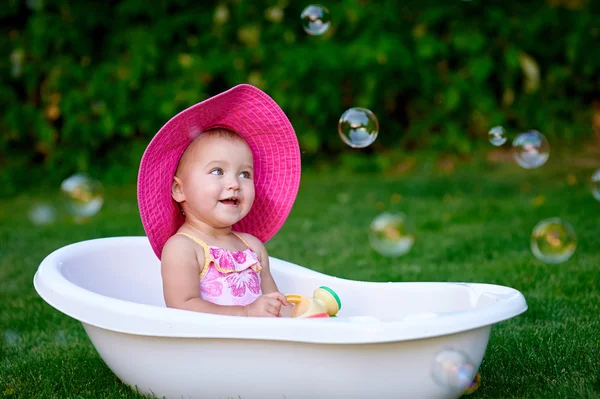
[221, 133]
[217, 133]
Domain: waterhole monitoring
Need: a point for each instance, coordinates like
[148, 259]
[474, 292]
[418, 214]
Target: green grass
[472, 225]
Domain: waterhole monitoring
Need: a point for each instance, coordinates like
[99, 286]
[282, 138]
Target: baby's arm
[180, 269]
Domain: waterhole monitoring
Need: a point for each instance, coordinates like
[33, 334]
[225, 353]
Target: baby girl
[216, 182]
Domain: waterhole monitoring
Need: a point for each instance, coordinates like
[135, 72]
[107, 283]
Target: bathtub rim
[149, 320]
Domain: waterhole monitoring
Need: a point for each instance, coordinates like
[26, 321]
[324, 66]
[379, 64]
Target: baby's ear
[177, 190]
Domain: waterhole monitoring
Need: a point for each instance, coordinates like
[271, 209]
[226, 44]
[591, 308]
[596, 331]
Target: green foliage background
[86, 84]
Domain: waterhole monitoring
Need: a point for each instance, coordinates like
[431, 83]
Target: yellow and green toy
[324, 303]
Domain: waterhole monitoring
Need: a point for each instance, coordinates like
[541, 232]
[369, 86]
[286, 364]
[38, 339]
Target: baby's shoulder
[253, 242]
[181, 248]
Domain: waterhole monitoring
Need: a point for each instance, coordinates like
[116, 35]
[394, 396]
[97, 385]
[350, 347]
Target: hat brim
[271, 138]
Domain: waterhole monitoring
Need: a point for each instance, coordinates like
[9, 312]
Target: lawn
[473, 222]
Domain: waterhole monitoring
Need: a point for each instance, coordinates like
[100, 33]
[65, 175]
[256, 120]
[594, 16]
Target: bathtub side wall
[124, 268]
[193, 368]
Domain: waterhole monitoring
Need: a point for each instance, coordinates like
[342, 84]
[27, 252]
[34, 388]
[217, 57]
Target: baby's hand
[268, 305]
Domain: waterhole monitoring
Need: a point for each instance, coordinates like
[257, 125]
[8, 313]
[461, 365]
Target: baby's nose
[234, 184]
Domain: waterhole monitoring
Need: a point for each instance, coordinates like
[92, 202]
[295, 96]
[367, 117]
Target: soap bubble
[553, 240]
[358, 127]
[61, 337]
[473, 385]
[453, 370]
[531, 149]
[83, 196]
[315, 19]
[497, 136]
[391, 234]
[11, 338]
[596, 185]
[41, 214]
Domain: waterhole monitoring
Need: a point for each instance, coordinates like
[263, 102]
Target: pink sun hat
[271, 138]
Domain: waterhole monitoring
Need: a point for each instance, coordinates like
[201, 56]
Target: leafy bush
[85, 85]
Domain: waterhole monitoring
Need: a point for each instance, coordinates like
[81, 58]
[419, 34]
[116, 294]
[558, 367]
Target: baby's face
[217, 176]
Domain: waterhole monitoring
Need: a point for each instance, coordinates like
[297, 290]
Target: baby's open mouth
[230, 201]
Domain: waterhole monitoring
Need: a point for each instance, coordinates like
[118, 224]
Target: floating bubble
[11, 338]
[61, 337]
[42, 214]
[553, 240]
[83, 196]
[358, 127]
[315, 19]
[453, 370]
[531, 149]
[596, 185]
[497, 136]
[473, 385]
[391, 234]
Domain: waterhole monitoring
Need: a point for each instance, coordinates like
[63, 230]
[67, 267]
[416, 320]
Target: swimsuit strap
[244, 241]
[207, 257]
[247, 245]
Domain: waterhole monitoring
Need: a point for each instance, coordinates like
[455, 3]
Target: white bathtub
[381, 345]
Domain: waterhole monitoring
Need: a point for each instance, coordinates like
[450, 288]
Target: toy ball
[324, 303]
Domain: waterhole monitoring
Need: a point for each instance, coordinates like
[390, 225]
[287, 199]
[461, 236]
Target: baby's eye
[216, 171]
[245, 175]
